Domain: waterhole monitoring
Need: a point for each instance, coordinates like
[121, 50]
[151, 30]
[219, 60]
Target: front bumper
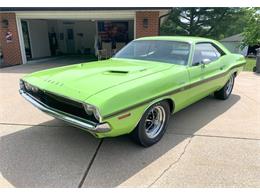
[73, 120]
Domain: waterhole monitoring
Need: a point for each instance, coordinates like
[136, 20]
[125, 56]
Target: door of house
[26, 38]
[70, 42]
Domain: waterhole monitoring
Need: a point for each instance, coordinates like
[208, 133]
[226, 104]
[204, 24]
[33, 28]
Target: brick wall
[153, 23]
[11, 51]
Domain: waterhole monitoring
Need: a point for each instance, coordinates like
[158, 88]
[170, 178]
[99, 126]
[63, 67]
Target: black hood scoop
[118, 71]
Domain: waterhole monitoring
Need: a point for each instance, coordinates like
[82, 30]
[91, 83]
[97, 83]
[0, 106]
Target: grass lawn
[250, 63]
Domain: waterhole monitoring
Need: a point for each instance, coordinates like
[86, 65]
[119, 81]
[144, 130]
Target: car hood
[87, 79]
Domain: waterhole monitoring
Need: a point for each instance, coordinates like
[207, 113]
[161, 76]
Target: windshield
[155, 50]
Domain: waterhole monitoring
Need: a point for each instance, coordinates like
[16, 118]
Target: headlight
[92, 110]
[34, 89]
[27, 86]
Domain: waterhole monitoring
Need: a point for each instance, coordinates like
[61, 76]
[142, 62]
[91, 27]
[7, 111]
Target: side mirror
[205, 61]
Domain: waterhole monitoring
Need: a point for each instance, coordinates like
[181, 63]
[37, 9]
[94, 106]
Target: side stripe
[181, 89]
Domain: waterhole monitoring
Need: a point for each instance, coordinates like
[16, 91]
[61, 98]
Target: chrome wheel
[230, 85]
[155, 121]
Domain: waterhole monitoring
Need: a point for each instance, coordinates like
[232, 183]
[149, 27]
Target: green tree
[252, 29]
[214, 23]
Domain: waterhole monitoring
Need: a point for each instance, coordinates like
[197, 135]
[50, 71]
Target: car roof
[189, 39]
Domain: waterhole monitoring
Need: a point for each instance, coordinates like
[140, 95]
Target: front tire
[225, 92]
[152, 125]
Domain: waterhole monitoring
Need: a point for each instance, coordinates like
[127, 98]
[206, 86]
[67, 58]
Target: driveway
[212, 143]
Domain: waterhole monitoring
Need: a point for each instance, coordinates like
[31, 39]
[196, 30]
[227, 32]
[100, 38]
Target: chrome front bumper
[73, 120]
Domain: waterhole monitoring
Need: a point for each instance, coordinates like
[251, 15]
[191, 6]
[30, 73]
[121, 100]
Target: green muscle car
[136, 90]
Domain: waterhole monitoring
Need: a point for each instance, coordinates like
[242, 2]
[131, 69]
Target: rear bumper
[73, 120]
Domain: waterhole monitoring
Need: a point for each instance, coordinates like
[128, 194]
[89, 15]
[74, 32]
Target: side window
[205, 51]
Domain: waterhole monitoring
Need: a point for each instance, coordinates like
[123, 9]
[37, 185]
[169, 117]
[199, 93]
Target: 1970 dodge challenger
[136, 90]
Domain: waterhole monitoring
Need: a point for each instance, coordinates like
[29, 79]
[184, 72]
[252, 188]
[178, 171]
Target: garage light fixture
[145, 23]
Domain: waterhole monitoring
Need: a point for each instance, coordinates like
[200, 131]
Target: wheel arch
[166, 99]
[171, 104]
[235, 73]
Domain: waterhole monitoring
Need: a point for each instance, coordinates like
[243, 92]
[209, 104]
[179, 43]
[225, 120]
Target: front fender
[135, 97]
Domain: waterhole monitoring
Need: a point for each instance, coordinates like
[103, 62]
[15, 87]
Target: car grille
[63, 104]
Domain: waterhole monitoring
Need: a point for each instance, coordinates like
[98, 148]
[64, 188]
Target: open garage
[45, 38]
[49, 32]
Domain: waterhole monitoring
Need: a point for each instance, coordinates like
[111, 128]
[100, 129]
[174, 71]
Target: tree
[252, 29]
[214, 23]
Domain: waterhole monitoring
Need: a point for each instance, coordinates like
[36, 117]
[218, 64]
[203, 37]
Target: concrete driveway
[210, 144]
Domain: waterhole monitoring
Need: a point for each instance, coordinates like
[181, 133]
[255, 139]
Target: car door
[195, 70]
[210, 63]
[205, 64]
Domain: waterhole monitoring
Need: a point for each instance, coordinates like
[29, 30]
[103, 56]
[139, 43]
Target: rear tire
[225, 92]
[152, 125]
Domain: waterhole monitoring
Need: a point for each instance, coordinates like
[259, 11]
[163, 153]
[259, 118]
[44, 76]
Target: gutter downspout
[160, 18]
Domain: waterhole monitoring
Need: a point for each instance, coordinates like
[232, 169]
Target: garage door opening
[50, 38]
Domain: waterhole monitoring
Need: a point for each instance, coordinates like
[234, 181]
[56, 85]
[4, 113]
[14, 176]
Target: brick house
[33, 33]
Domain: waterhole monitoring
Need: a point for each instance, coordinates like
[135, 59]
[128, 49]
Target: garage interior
[45, 38]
